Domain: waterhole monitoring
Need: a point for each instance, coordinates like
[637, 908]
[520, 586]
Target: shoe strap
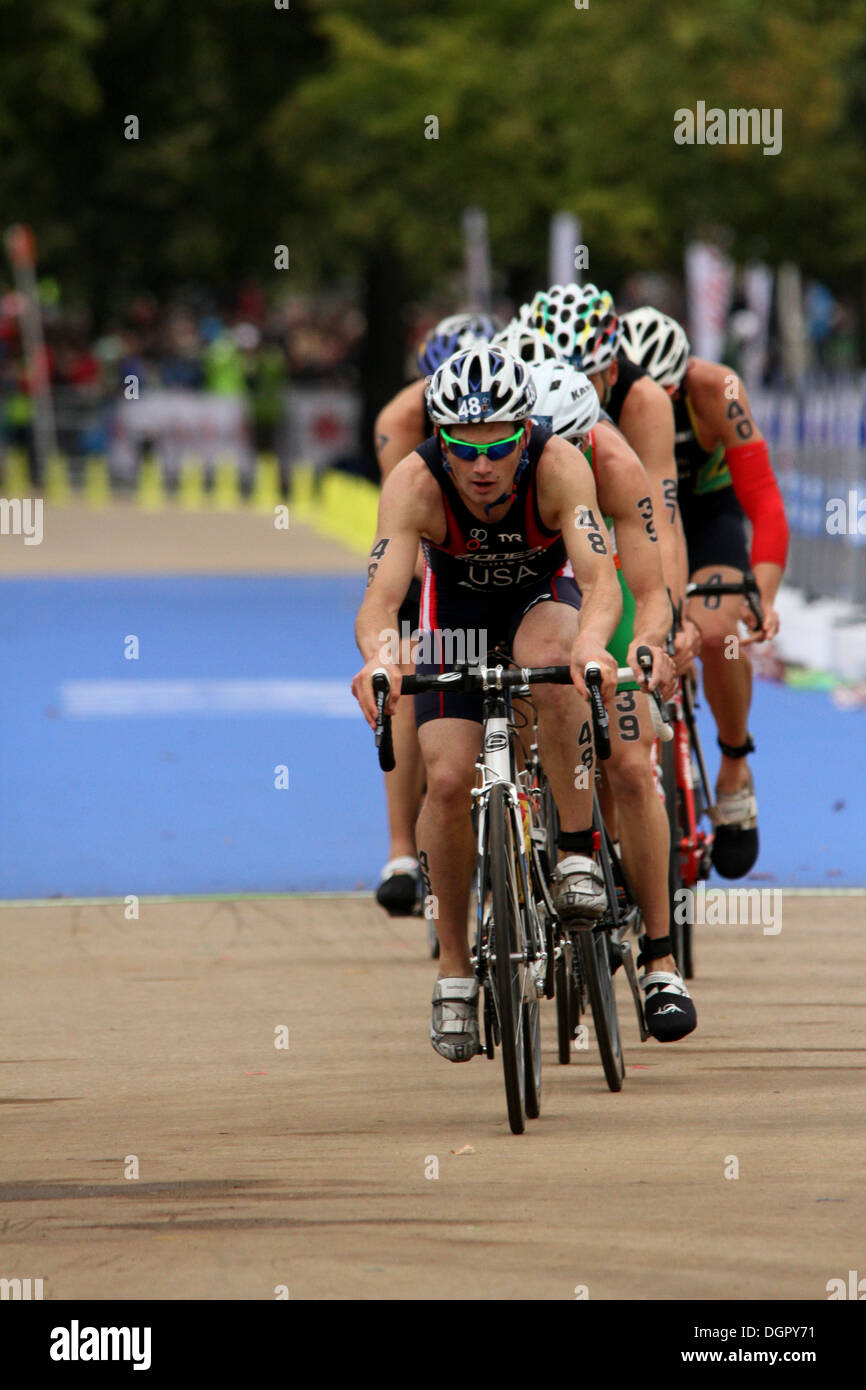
[665, 982]
[403, 864]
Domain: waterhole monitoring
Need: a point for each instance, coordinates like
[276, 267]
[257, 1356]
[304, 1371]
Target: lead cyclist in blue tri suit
[401, 425]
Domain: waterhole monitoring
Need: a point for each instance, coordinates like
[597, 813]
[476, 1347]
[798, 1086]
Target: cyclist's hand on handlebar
[687, 646]
[362, 688]
[663, 676]
[586, 650]
[759, 634]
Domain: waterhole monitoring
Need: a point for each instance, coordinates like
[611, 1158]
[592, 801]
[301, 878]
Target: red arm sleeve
[758, 493]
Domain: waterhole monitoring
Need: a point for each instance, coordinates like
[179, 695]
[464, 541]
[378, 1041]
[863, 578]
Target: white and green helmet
[567, 402]
[581, 323]
[480, 386]
[526, 343]
[657, 343]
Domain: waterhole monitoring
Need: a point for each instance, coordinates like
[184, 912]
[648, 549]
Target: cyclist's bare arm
[400, 427]
[407, 508]
[724, 415]
[623, 489]
[647, 421]
[567, 500]
[624, 494]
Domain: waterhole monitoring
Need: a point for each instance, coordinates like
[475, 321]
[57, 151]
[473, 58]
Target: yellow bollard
[226, 492]
[266, 488]
[150, 493]
[302, 495]
[97, 489]
[57, 479]
[190, 492]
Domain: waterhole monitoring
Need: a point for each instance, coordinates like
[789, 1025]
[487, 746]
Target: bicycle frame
[495, 764]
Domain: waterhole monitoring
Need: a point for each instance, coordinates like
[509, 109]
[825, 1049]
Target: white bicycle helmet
[581, 322]
[526, 343]
[567, 402]
[657, 343]
[480, 386]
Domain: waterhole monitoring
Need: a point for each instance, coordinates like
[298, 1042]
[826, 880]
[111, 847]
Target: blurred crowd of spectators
[250, 350]
[253, 350]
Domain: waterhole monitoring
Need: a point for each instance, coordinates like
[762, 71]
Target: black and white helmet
[657, 343]
[567, 402]
[526, 343]
[480, 386]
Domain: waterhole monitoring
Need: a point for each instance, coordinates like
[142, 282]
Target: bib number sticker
[474, 407]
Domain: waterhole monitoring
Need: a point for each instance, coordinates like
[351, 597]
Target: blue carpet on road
[157, 775]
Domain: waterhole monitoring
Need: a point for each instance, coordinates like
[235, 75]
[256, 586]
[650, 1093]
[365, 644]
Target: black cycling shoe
[668, 1008]
[400, 888]
[735, 851]
[735, 818]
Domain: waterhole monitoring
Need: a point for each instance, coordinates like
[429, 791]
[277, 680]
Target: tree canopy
[261, 125]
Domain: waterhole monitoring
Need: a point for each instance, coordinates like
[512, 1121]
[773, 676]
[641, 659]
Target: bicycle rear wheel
[595, 961]
[507, 963]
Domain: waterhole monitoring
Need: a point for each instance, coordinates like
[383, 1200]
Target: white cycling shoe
[580, 894]
[454, 1026]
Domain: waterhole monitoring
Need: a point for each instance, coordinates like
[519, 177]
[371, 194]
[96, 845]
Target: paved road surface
[305, 1167]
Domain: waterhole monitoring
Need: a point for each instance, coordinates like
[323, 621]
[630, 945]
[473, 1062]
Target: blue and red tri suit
[484, 576]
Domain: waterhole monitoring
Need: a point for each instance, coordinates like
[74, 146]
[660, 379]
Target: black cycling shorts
[410, 608]
[715, 527]
[471, 627]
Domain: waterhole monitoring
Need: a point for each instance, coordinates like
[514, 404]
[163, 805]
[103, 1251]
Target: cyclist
[724, 475]
[569, 405]
[401, 425]
[493, 505]
[581, 323]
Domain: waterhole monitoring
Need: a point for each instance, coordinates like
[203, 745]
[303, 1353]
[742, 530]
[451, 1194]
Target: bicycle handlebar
[747, 588]
[483, 679]
[384, 741]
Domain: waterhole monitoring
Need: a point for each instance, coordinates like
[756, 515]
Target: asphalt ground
[157, 1144]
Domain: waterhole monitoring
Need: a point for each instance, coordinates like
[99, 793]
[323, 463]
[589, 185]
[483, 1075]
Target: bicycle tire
[505, 972]
[532, 1058]
[564, 1032]
[599, 981]
[678, 931]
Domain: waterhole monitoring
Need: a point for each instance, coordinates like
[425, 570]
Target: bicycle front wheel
[507, 966]
[595, 960]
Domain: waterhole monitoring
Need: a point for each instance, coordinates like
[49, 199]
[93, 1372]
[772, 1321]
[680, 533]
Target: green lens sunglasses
[495, 450]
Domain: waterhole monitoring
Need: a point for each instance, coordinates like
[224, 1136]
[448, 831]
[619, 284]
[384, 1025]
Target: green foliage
[307, 126]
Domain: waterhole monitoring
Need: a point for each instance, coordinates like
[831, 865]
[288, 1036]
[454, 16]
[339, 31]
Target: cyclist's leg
[446, 846]
[398, 889]
[542, 634]
[449, 747]
[727, 669]
[717, 548]
[643, 825]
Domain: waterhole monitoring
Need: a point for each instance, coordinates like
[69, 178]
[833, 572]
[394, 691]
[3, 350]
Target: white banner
[758, 284]
[709, 285]
[179, 425]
